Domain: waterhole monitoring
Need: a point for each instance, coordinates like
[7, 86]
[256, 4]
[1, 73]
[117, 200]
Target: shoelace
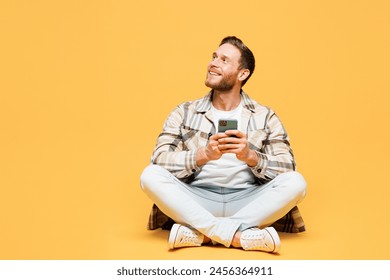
[255, 239]
[188, 238]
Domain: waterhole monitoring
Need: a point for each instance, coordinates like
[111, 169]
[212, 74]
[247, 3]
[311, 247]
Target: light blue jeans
[219, 212]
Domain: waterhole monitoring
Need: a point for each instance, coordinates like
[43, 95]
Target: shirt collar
[205, 103]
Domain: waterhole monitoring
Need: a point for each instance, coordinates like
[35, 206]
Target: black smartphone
[227, 124]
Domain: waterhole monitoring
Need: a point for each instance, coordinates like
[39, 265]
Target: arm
[170, 151]
[275, 155]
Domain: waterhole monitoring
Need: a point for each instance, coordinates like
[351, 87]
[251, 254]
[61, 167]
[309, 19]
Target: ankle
[236, 241]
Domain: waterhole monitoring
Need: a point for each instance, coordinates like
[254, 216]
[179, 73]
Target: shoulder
[198, 105]
[255, 107]
[186, 110]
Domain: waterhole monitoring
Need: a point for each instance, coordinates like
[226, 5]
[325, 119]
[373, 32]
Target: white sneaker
[266, 239]
[182, 236]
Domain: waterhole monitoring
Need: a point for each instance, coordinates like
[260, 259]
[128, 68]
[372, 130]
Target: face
[223, 71]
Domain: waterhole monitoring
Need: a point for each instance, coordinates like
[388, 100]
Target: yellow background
[86, 85]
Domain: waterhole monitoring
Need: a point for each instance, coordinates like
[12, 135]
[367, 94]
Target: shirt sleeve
[169, 151]
[275, 155]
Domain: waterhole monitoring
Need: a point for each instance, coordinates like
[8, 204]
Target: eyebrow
[222, 55]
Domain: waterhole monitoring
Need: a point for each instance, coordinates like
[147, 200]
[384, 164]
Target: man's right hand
[211, 151]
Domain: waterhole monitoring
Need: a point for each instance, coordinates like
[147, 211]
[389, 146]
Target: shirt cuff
[261, 166]
[190, 162]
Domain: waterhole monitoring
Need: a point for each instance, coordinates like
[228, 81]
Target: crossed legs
[222, 216]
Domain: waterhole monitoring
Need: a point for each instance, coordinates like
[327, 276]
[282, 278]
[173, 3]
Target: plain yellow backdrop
[85, 87]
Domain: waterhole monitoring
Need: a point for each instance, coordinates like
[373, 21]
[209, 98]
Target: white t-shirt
[228, 171]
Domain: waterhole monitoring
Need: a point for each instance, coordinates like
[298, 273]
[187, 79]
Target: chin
[208, 84]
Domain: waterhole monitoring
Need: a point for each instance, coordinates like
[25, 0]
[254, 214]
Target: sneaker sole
[275, 237]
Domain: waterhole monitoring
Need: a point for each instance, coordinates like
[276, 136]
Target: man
[225, 187]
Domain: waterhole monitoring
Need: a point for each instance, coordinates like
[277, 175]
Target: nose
[214, 62]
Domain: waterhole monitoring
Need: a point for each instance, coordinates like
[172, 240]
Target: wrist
[201, 157]
[253, 159]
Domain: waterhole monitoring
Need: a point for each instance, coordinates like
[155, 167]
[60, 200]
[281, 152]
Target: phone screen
[227, 124]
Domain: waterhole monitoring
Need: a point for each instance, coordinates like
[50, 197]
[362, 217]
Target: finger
[230, 140]
[218, 136]
[228, 147]
[230, 151]
[235, 133]
[223, 147]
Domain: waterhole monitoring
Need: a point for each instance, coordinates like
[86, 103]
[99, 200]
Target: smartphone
[227, 124]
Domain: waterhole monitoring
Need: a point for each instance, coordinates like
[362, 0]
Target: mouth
[213, 73]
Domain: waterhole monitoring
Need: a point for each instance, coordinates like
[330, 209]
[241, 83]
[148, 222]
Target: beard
[225, 84]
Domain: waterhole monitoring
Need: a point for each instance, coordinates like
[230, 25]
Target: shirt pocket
[193, 138]
[256, 138]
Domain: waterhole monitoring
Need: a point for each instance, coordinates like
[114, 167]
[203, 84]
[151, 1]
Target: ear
[244, 73]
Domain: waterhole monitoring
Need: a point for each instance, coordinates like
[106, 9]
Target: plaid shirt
[189, 127]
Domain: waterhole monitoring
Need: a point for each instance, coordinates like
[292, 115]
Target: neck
[226, 100]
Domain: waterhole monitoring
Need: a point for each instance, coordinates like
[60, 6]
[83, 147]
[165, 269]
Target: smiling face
[223, 68]
[224, 71]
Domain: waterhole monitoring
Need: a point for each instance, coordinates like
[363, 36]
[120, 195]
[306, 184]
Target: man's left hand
[236, 142]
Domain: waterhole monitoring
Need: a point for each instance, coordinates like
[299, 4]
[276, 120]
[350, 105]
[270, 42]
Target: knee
[295, 182]
[149, 175]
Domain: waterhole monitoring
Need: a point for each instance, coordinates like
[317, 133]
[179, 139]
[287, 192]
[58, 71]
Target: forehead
[229, 51]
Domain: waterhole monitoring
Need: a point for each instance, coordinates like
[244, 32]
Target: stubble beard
[224, 85]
